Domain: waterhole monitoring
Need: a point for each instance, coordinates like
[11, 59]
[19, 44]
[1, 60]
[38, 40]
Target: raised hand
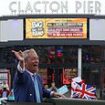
[19, 55]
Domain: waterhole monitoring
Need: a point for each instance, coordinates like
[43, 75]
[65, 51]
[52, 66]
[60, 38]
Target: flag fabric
[82, 90]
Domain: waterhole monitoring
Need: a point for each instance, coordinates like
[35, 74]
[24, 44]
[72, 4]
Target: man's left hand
[57, 95]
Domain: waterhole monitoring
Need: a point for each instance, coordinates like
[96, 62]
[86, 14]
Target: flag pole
[80, 62]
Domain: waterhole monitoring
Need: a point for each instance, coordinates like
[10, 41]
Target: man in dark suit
[26, 87]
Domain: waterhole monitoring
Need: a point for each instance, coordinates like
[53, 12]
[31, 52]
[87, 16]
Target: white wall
[11, 30]
[97, 29]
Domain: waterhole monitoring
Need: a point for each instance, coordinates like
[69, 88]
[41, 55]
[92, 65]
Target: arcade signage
[56, 28]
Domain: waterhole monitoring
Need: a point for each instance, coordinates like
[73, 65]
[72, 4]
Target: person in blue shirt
[24, 83]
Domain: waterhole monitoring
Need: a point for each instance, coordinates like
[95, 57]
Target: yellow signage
[56, 28]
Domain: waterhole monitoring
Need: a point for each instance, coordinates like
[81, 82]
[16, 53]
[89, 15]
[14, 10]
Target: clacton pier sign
[21, 7]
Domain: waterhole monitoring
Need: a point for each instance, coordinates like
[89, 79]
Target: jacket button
[30, 94]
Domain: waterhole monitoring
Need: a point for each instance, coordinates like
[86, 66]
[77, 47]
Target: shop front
[68, 47]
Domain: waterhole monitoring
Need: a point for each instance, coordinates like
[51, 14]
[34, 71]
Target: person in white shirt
[24, 83]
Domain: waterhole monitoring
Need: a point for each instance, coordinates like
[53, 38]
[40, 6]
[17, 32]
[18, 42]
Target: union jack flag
[82, 90]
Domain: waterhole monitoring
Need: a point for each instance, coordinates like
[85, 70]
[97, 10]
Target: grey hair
[26, 53]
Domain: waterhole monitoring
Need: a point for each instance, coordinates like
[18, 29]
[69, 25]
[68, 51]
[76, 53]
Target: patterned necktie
[38, 100]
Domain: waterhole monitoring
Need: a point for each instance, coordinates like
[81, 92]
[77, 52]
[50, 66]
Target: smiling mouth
[35, 65]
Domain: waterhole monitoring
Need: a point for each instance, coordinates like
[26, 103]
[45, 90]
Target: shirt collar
[31, 73]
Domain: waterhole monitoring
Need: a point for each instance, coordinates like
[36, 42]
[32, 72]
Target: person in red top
[4, 92]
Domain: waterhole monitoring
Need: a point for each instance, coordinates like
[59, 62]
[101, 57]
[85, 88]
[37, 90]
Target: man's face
[32, 62]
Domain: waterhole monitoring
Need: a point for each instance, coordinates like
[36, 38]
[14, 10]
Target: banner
[56, 28]
[21, 7]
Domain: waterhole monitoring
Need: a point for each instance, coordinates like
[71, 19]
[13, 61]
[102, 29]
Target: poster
[5, 76]
[43, 73]
[56, 28]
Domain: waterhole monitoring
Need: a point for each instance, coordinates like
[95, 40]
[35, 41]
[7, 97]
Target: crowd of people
[27, 83]
[6, 92]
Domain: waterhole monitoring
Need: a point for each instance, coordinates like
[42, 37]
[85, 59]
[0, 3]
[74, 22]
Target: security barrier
[69, 101]
[25, 103]
[56, 101]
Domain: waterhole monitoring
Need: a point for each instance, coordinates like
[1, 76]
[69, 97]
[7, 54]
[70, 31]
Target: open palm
[19, 55]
